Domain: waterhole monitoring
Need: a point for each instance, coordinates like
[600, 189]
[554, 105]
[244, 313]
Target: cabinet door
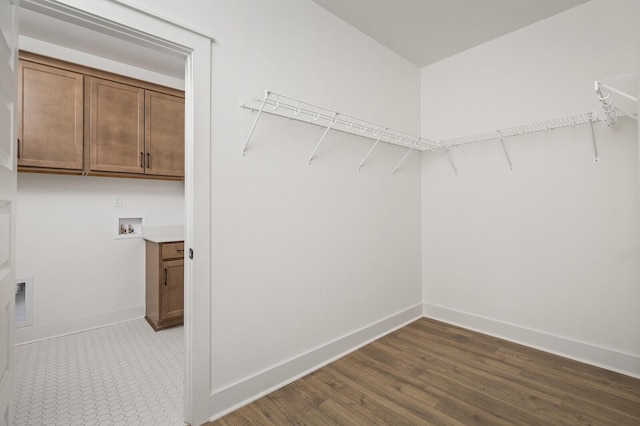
[164, 134]
[51, 125]
[172, 293]
[116, 126]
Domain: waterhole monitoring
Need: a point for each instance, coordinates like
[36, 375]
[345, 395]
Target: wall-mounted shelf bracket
[255, 122]
[612, 109]
[453, 165]
[371, 150]
[402, 160]
[593, 139]
[506, 153]
[324, 135]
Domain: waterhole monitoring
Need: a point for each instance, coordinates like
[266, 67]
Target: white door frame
[118, 19]
[8, 182]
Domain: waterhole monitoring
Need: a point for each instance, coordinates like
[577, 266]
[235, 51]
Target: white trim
[197, 194]
[80, 15]
[165, 19]
[47, 331]
[598, 356]
[233, 397]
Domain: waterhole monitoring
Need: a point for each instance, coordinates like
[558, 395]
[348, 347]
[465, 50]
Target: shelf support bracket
[370, 151]
[453, 165]
[619, 92]
[593, 139]
[628, 114]
[506, 153]
[329, 126]
[402, 160]
[255, 122]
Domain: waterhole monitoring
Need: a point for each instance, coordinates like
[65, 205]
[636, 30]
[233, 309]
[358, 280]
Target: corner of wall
[598, 356]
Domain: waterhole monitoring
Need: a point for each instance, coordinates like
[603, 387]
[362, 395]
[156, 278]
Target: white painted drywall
[82, 276]
[303, 254]
[549, 253]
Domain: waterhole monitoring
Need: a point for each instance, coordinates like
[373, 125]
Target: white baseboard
[46, 331]
[229, 399]
[609, 359]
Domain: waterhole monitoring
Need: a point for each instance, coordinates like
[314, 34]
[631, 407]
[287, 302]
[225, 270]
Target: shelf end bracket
[255, 122]
[329, 126]
[506, 153]
[453, 165]
[596, 158]
[371, 150]
[402, 160]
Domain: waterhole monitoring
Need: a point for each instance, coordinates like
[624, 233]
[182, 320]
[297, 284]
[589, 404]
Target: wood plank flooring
[430, 372]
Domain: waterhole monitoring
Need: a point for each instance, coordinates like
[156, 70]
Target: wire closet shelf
[541, 126]
[295, 109]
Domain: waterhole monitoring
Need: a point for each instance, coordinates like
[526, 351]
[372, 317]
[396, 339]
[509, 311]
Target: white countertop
[163, 234]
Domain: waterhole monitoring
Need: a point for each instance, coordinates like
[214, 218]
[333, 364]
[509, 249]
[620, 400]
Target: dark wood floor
[433, 373]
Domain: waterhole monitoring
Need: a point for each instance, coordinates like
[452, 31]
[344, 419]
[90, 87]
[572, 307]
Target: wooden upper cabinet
[116, 126]
[164, 134]
[51, 122]
[80, 120]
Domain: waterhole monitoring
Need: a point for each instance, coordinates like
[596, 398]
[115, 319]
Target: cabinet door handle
[148, 160]
[142, 159]
[165, 276]
[18, 147]
[180, 250]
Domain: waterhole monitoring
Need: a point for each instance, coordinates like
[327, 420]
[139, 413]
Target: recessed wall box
[129, 227]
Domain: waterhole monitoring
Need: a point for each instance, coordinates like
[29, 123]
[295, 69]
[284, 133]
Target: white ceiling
[422, 31]
[427, 31]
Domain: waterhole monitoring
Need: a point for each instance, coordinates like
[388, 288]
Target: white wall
[82, 277]
[303, 256]
[547, 254]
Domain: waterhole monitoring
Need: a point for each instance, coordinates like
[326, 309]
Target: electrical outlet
[117, 202]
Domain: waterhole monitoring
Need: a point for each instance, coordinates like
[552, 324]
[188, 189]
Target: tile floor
[123, 374]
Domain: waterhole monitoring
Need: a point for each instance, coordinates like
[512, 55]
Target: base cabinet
[164, 284]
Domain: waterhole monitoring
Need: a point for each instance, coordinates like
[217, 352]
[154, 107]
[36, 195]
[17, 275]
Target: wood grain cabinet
[164, 284]
[133, 130]
[116, 126]
[164, 134]
[80, 120]
[50, 134]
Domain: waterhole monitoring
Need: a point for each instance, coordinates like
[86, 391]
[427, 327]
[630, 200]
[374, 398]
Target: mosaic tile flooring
[123, 374]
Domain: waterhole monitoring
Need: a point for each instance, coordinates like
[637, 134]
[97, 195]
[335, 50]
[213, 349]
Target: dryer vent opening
[24, 302]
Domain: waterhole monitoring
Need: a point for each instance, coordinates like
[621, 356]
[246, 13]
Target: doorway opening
[116, 21]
